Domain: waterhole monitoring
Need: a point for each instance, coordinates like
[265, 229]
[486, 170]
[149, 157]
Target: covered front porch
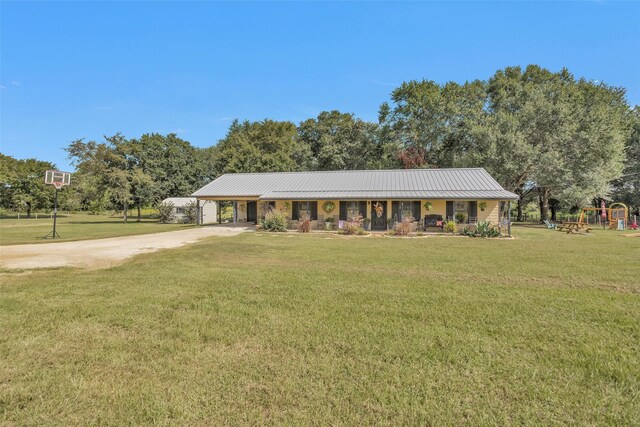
[378, 215]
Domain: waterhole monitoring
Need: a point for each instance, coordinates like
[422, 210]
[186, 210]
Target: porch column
[235, 212]
[509, 217]
[199, 213]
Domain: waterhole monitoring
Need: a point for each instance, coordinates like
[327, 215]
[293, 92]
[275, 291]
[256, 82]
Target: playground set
[615, 217]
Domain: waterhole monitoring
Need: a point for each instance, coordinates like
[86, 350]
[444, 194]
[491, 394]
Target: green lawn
[328, 330]
[77, 227]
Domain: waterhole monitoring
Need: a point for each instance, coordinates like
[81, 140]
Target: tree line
[547, 136]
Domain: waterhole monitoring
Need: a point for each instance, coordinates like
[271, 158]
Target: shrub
[274, 221]
[165, 212]
[304, 225]
[403, 228]
[461, 218]
[190, 211]
[482, 229]
[353, 226]
[450, 226]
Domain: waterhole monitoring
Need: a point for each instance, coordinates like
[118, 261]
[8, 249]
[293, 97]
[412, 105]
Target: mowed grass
[77, 227]
[328, 330]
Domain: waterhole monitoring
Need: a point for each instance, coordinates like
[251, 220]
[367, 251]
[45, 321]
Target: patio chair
[320, 221]
[550, 225]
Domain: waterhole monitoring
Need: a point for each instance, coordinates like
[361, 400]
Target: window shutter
[295, 211]
[473, 210]
[449, 210]
[395, 211]
[363, 209]
[343, 211]
[415, 210]
[314, 210]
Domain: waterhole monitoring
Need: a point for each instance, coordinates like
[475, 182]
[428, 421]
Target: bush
[190, 211]
[274, 221]
[450, 227]
[165, 212]
[461, 218]
[353, 226]
[304, 225]
[403, 228]
[483, 229]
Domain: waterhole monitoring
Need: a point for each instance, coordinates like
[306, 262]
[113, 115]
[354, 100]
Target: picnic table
[573, 227]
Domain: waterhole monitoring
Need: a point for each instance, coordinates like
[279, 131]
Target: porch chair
[473, 220]
[550, 225]
[320, 221]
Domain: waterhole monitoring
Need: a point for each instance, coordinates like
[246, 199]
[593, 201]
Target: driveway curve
[103, 253]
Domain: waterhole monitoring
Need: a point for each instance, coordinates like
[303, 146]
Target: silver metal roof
[468, 183]
[179, 202]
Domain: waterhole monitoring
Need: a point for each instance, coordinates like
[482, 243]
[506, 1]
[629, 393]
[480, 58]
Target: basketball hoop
[58, 179]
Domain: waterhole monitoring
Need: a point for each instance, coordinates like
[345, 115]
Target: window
[304, 210]
[179, 211]
[461, 207]
[405, 209]
[353, 209]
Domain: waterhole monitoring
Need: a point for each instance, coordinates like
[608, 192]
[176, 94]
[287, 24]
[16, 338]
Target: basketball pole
[54, 233]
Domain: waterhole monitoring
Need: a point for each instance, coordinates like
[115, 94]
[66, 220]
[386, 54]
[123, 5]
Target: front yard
[322, 329]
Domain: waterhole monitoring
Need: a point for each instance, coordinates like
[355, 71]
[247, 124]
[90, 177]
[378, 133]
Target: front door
[252, 211]
[379, 215]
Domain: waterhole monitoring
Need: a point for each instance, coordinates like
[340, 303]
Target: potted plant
[328, 223]
[482, 206]
[366, 222]
[460, 218]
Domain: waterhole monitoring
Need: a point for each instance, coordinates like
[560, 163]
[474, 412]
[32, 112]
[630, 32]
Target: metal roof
[179, 202]
[467, 183]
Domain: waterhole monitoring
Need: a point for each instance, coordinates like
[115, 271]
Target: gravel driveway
[102, 253]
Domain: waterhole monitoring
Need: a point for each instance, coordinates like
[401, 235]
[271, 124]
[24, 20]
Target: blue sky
[85, 69]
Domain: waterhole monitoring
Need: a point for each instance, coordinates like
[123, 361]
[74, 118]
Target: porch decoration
[328, 206]
[286, 206]
[428, 206]
[379, 209]
[482, 206]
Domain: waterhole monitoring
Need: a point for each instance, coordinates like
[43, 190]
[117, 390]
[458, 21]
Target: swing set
[615, 212]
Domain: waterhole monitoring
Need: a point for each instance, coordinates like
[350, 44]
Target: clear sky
[85, 69]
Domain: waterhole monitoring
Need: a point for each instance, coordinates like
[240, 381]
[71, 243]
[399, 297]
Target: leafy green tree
[337, 141]
[22, 184]
[114, 168]
[266, 146]
[626, 189]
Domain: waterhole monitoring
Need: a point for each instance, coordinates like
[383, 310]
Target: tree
[626, 189]
[115, 168]
[266, 146]
[22, 184]
[337, 141]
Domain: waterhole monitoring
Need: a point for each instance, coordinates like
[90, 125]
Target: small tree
[190, 211]
[165, 212]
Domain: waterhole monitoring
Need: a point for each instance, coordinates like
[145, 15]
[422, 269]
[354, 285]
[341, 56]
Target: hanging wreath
[328, 206]
[379, 209]
[428, 206]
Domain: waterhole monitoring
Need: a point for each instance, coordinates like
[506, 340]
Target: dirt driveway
[102, 253]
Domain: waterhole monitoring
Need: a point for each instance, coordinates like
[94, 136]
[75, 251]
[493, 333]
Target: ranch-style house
[467, 195]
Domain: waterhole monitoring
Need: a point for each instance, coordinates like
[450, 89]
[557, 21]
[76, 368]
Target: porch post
[198, 213]
[235, 212]
[509, 217]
